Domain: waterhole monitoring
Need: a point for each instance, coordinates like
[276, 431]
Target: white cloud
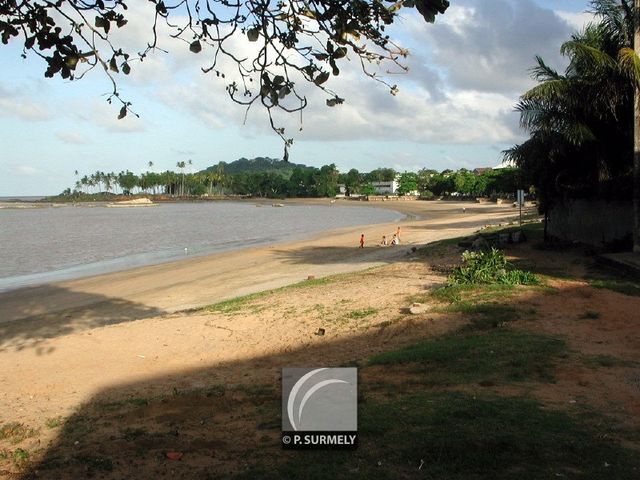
[74, 138]
[18, 102]
[105, 116]
[466, 73]
[491, 46]
[577, 20]
[26, 170]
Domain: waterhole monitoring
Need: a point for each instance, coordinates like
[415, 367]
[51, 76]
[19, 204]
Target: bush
[427, 195]
[489, 266]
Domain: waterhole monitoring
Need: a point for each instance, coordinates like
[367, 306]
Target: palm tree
[181, 165]
[106, 178]
[581, 139]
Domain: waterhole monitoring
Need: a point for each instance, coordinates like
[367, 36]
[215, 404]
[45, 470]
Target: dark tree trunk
[636, 137]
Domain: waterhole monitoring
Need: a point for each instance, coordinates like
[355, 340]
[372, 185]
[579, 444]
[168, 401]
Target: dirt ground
[198, 370]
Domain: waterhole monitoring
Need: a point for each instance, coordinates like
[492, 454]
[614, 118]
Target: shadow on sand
[31, 315]
[225, 418]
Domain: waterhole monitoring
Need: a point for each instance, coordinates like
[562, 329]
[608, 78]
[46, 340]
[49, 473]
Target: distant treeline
[266, 177]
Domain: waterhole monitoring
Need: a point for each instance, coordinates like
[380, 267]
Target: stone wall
[594, 222]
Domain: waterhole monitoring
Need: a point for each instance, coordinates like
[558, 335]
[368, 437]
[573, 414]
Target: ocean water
[49, 244]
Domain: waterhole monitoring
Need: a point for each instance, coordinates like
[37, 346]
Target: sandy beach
[40, 326]
[62, 344]
[198, 281]
[102, 376]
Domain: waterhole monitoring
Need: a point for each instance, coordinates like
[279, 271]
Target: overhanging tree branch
[289, 41]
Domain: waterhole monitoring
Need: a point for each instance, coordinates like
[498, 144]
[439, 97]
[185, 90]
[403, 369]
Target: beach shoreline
[62, 343]
[144, 254]
[196, 281]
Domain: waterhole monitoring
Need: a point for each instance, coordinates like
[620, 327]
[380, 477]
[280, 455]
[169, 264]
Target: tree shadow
[222, 418]
[343, 255]
[450, 225]
[32, 315]
[214, 416]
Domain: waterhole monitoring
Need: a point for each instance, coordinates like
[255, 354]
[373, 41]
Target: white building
[385, 188]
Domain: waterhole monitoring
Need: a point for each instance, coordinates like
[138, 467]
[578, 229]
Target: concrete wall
[594, 222]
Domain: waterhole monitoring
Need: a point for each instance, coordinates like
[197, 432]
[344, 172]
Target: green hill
[258, 164]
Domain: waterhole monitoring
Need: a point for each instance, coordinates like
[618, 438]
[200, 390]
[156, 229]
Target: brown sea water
[46, 244]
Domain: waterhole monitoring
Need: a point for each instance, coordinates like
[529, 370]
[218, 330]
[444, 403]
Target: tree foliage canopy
[284, 41]
[581, 140]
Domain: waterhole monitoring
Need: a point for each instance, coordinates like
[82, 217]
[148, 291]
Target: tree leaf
[195, 46]
[123, 112]
[340, 53]
[253, 34]
[320, 79]
[284, 91]
[113, 65]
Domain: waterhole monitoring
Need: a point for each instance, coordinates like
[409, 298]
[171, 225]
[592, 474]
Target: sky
[454, 109]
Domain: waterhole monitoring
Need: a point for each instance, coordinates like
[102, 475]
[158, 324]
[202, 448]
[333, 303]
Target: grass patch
[131, 434]
[455, 436]
[237, 304]
[484, 316]
[460, 293]
[607, 361]
[257, 392]
[358, 314]
[480, 357]
[590, 315]
[217, 390]
[76, 428]
[54, 422]
[94, 463]
[624, 286]
[533, 230]
[137, 402]
[16, 432]
[438, 247]
[117, 404]
[20, 457]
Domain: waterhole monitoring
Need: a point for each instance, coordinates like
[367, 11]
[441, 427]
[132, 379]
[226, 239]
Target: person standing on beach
[362, 241]
[384, 241]
[398, 232]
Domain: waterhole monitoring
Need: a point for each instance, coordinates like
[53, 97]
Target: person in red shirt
[362, 241]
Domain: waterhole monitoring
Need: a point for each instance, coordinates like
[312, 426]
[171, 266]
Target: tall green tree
[582, 142]
[407, 183]
[353, 181]
[326, 180]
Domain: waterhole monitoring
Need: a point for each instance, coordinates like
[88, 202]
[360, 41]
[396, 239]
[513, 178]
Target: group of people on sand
[384, 243]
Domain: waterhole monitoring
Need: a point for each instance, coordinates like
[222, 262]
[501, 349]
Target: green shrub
[489, 266]
[427, 195]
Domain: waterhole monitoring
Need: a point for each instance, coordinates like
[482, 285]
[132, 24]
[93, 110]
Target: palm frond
[580, 51]
[543, 72]
[629, 63]
[547, 91]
